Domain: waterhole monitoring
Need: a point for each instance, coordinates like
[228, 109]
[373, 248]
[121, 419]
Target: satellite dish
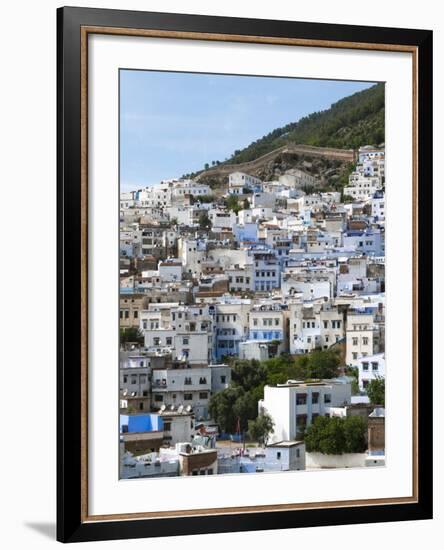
[163, 407]
[180, 409]
[125, 392]
[172, 408]
[188, 409]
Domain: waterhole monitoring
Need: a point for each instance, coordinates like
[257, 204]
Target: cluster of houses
[259, 269]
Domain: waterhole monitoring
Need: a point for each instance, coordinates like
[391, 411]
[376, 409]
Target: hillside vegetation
[353, 121]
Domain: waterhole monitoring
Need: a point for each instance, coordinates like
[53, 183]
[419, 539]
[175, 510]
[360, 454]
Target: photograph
[251, 274]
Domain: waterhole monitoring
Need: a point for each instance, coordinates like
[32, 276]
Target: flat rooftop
[286, 444]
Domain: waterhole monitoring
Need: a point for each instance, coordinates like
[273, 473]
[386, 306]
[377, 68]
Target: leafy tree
[207, 166]
[336, 435]
[347, 198]
[232, 203]
[221, 408]
[131, 335]
[204, 221]
[260, 429]
[323, 363]
[376, 391]
[248, 374]
[245, 408]
[354, 372]
[354, 432]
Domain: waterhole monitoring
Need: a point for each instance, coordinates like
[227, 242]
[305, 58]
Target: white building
[170, 270]
[238, 181]
[371, 367]
[363, 335]
[285, 456]
[294, 405]
[182, 387]
[361, 187]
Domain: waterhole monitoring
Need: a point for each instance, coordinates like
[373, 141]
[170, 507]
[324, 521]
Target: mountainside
[353, 121]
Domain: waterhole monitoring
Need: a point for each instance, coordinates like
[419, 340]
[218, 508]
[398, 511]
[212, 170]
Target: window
[134, 379]
[158, 398]
[325, 324]
[210, 471]
[223, 379]
[354, 356]
[169, 341]
[301, 421]
[365, 340]
[167, 426]
[354, 341]
[136, 314]
[126, 314]
[203, 395]
[202, 380]
[143, 378]
[156, 341]
[375, 366]
[298, 453]
[185, 341]
[188, 381]
[187, 396]
[278, 455]
[301, 399]
[327, 398]
[365, 365]
[315, 398]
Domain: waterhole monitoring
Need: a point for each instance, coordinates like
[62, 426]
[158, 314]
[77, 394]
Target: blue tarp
[137, 423]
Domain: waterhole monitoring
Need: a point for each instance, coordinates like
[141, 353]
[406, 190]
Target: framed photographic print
[244, 274]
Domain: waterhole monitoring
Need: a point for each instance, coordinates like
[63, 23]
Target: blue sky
[173, 123]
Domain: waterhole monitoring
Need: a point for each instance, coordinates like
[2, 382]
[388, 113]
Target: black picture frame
[70, 524]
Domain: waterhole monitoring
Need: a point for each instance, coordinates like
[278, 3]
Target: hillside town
[221, 284]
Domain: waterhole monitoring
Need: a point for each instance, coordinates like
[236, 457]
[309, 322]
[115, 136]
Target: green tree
[248, 374]
[207, 166]
[204, 221]
[221, 408]
[354, 432]
[232, 203]
[376, 391]
[336, 435]
[260, 428]
[131, 335]
[245, 409]
[323, 363]
[353, 372]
